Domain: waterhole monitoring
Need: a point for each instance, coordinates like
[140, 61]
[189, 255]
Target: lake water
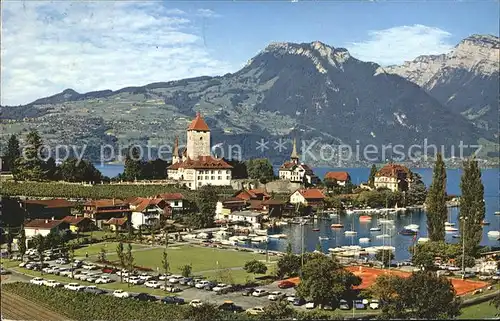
[490, 178]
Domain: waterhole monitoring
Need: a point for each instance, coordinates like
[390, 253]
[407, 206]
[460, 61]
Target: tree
[101, 257]
[122, 258]
[261, 169]
[384, 256]
[30, 167]
[371, 177]
[133, 164]
[71, 252]
[21, 244]
[129, 258]
[40, 246]
[50, 168]
[13, 153]
[165, 265]
[495, 301]
[239, 168]
[436, 202]
[278, 310]
[255, 267]
[186, 270]
[8, 240]
[334, 202]
[324, 281]
[205, 202]
[472, 208]
[288, 265]
[417, 192]
[74, 170]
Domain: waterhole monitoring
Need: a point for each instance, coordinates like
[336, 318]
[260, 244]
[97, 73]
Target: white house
[44, 227]
[296, 172]
[196, 167]
[148, 211]
[394, 177]
[254, 218]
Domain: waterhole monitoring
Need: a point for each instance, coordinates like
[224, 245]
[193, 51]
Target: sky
[48, 46]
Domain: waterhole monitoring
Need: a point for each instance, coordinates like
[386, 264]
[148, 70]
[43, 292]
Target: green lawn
[200, 258]
[479, 311]
[239, 276]
[109, 247]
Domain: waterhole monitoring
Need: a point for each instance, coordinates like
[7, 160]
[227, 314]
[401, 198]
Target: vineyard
[53, 189]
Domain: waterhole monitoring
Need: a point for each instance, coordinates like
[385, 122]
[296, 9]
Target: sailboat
[375, 229]
[338, 224]
[323, 238]
[352, 231]
[449, 226]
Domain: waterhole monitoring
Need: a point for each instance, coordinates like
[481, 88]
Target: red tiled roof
[106, 203]
[203, 162]
[73, 219]
[393, 170]
[124, 210]
[252, 194]
[273, 202]
[43, 224]
[116, 221]
[171, 196]
[312, 193]
[198, 124]
[142, 203]
[339, 176]
[288, 165]
[54, 203]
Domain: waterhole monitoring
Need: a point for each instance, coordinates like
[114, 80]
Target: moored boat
[375, 229]
[450, 229]
[350, 232]
[484, 222]
[423, 240]
[449, 224]
[323, 238]
[493, 233]
[381, 236]
[337, 225]
[365, 218]
[315, 229]
[364, 240]
[414, 227]
[407, 232]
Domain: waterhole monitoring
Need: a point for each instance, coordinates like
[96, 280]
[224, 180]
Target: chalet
[394, 177]
[44, 227]
[148, 211]
[253, 194]
[102, 210]
[341, 178]
[78, 223]
[308, 197]
[226, 206]
[297, 172]
[176, 201]
[46, 209]
[117, 224]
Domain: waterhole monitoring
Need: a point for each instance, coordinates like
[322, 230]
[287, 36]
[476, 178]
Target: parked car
[374, 304]
[134, 280]
[209, 286]
[77, 264]
[92, 277]
[196, 303]
[103, 279]
[219, 287]
[290, 298]
[144, 297]
[229, 306]
[74, 287]
[94, 290]
[89, 266]
[152, 284]
[275, 295]
[359, 305]
[201, 284]
[123, 273]
[248, 292]
[185, 281]
[255, 310]
[173, 300]
[145, 276]
[52, 283]
[286, 284]
[259, 292]
[164, 276]
[37, 281]
[81, 275]
[310, 305]
[175, 278]
[67, 272]
[62, 261]
[299, 301]
[120, 294]
[108, 270]
[343, 305]
[170, 288]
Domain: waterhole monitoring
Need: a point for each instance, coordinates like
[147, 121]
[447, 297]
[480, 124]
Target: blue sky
[49, 46]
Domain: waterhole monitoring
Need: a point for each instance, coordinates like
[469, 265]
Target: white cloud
[50, 46]
[207, 13]
[398, 44]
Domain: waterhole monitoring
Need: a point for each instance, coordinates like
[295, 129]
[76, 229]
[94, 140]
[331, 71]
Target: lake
[490, 178]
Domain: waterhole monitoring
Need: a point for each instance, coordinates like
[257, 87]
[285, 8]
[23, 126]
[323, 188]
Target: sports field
[368, 276]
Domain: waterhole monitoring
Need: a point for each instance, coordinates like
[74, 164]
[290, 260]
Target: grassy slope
[479, 311]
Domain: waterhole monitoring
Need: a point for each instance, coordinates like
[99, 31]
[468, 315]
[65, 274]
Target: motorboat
[414, 227]
[350, 232]
[381, 236]
[365, 218]
[278, 236]
[375, 229]
[323, 238]
[336, 250]
[456, 236]
[407, 232]
[450, 229]
[315, 229]
[386, 221]
[260, 239]
[449, 224]
[364, 240]
[484, 222]
[260, 232]
[423, 240]
[493, 234]
[337, 225]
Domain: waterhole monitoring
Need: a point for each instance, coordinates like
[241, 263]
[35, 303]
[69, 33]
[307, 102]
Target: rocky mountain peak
[488, 41]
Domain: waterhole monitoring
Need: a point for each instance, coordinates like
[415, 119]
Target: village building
[297, 172]
[176, 201]
[252, 218]
[78, 223]
[308, 197]
[117, 224]
[148, 212]
[394, 177]
[44, 227]
[341, 178]
[253, 194]
[100, 211]
[47, 209]
[196, 167]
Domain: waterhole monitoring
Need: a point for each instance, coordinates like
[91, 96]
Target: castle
[196, 167]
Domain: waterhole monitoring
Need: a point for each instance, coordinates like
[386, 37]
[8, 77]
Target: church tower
[198, 138]
[294, 158]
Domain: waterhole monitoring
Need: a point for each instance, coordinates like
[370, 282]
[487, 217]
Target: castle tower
[198, 138]
[294, 158]
[175, 152]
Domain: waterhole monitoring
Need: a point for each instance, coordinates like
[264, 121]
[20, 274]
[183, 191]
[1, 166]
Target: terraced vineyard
[15, 307]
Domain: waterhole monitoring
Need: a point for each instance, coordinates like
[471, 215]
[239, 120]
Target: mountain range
[309, 91]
